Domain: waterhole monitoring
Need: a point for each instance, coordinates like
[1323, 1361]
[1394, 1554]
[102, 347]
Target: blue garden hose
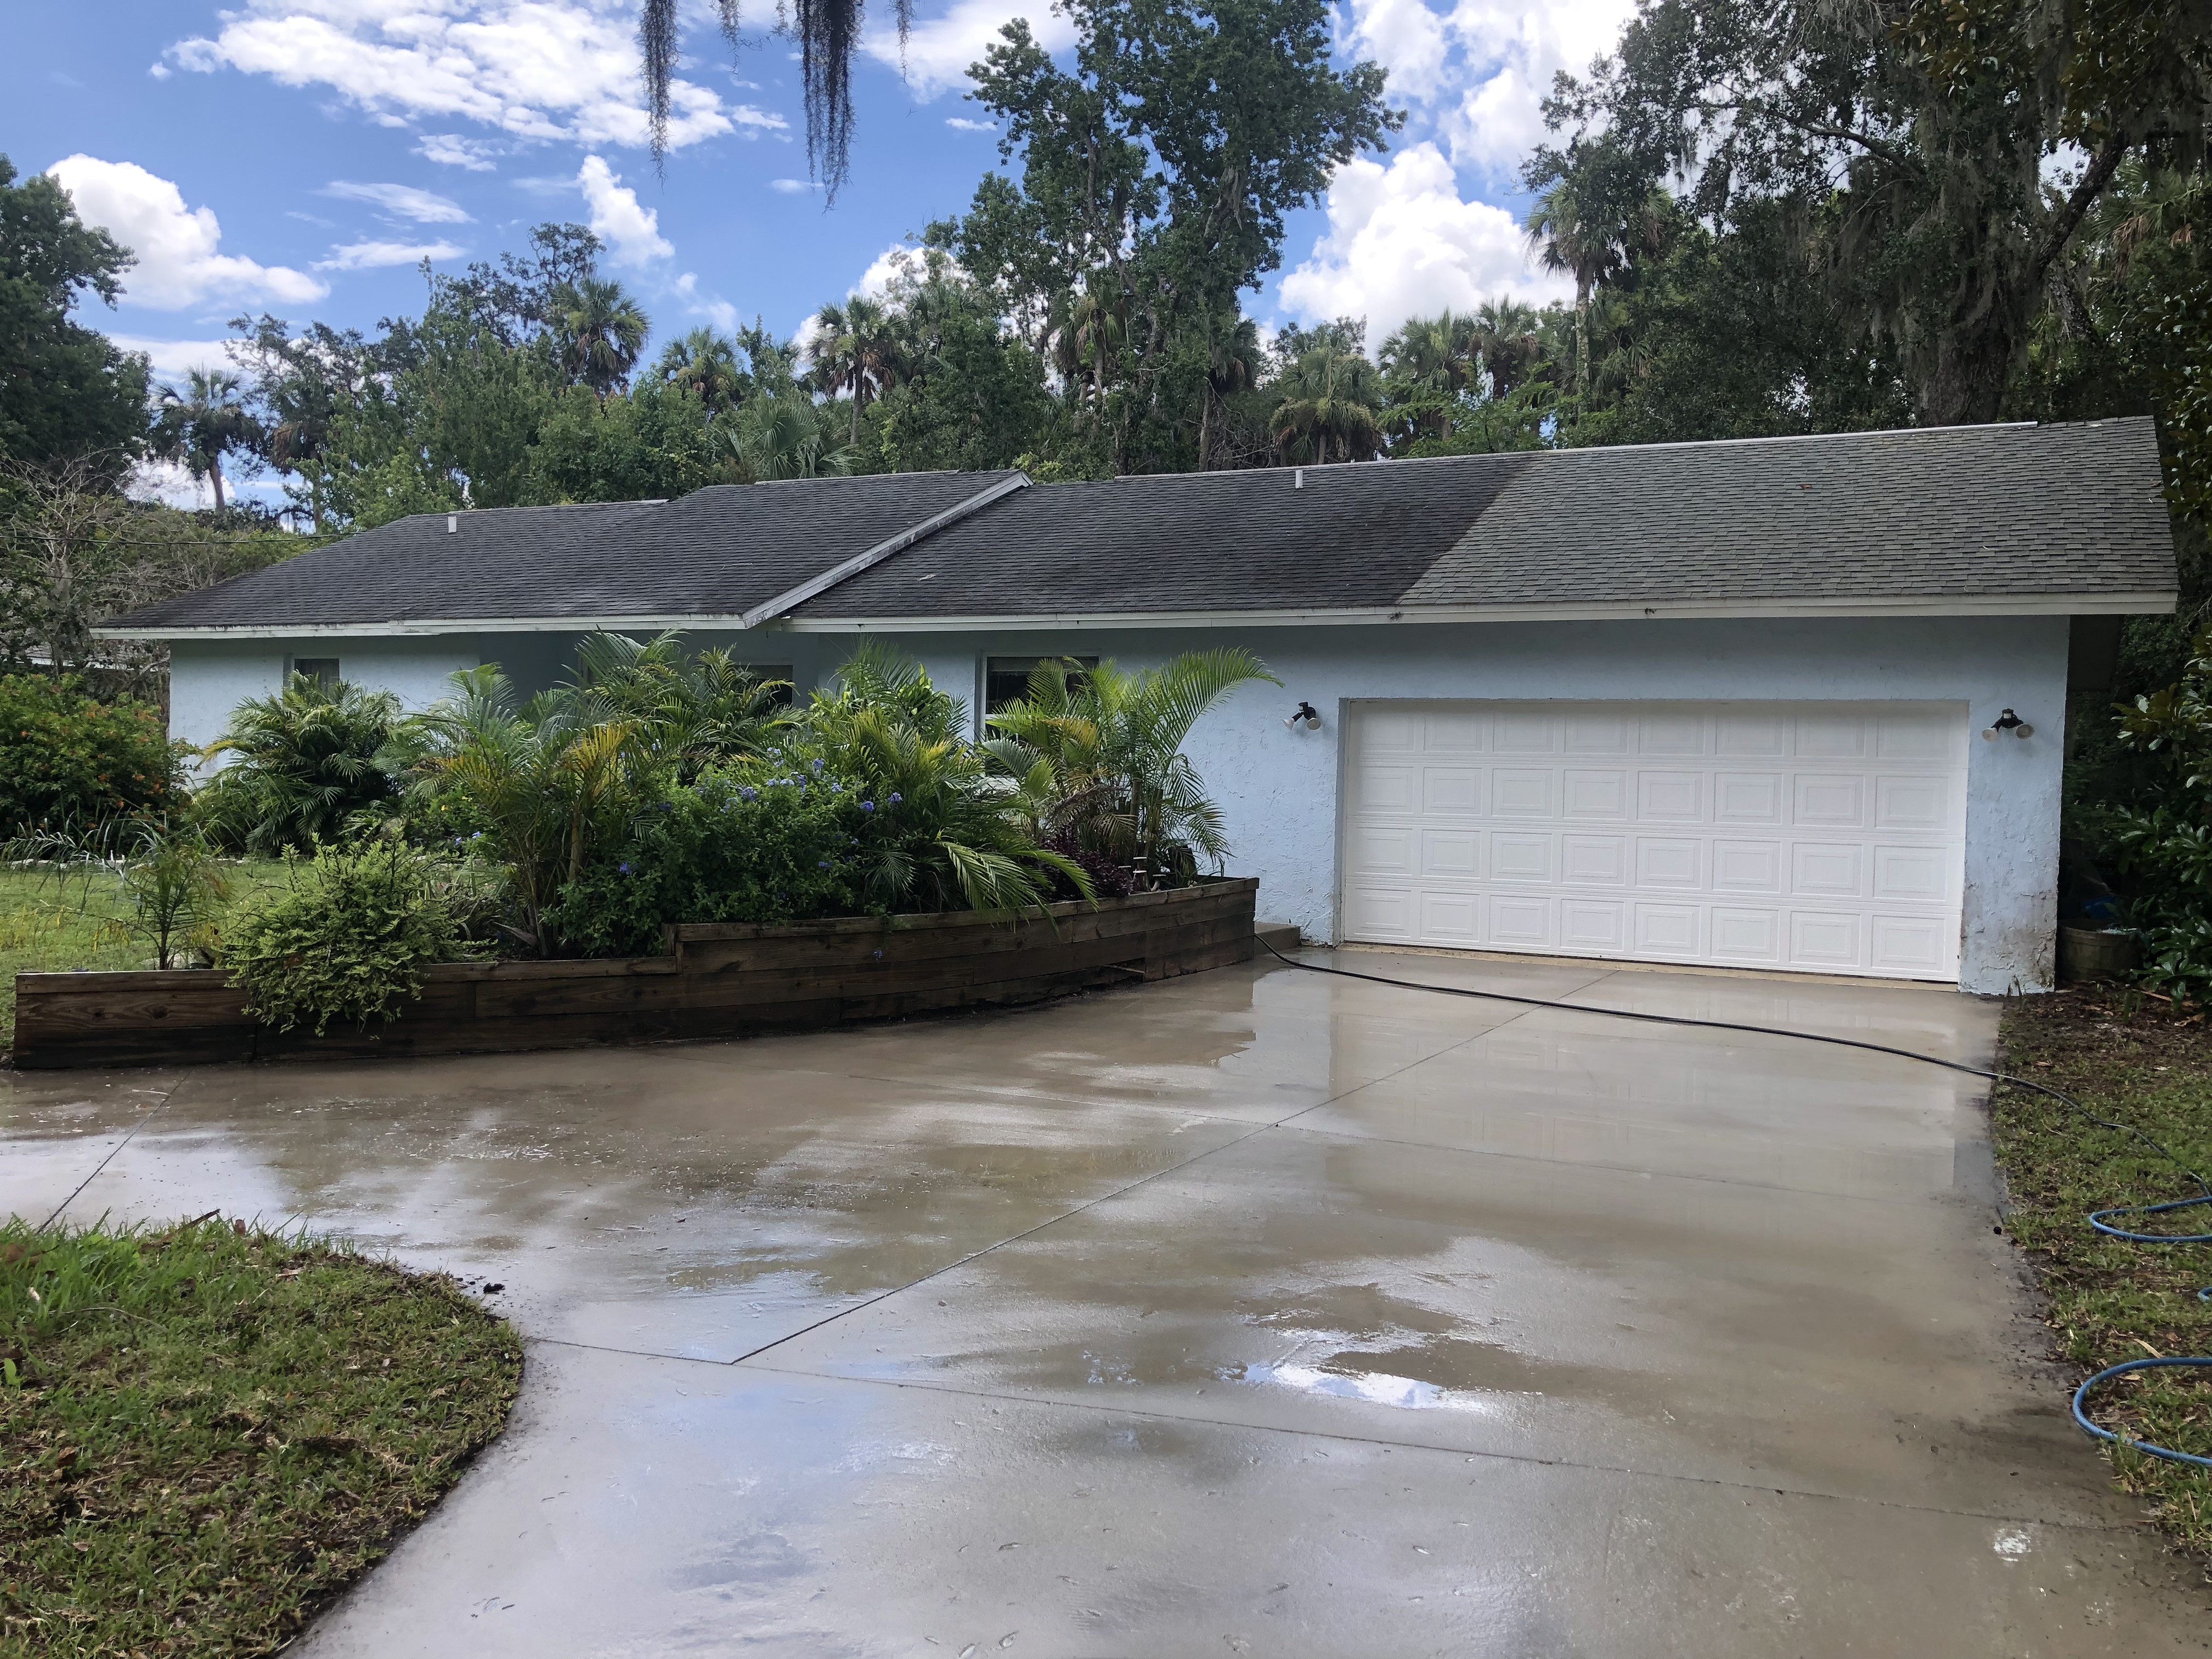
[2102, 1220]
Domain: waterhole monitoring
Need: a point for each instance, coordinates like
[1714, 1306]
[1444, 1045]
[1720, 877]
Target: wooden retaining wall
[718, 980]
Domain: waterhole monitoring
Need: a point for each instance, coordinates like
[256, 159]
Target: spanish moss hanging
[827, 32]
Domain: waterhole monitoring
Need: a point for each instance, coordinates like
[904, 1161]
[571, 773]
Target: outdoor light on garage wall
[1308, 716]
[2010, 722]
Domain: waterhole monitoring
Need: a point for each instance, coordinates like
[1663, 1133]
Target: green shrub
[303, 762]
[346, 937]
[67, 758]
[732, 847]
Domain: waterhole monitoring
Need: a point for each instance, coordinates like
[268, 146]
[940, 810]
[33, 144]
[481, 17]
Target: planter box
[718, 980]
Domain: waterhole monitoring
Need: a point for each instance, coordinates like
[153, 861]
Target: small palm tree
[856, 352]
[960, 844]
[303, 762]
[1506, 336]
[546, 780]
[694, 711]
[705, 361]
[201, 423]
[782, 437]
[1097, 756]
[1328, 409]
[602, 331]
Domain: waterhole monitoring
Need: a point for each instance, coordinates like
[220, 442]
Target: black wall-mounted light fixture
[1308, 716]
[2010, 722]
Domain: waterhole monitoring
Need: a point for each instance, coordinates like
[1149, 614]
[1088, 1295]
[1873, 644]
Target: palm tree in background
[1505, 332]
[782, 437]
[706, 362]
[1328, 413]
[602, 332]
[1234, 359]
[856, 351]
[201, 423]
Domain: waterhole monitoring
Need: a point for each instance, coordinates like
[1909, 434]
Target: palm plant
[1504, 334]
[547, 781]
[705, 361]
[692, 711]
[887, 729]
[303, 762]
[602, 331]
[782, 437]
[856, 351]
[1328, 413]
[1097, 756]
[203, 422]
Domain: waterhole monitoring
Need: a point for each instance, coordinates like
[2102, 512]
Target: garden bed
[717, 980]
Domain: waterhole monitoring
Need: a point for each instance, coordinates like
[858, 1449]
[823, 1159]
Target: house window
[324, 670]
[775, 671]
[1005, 678]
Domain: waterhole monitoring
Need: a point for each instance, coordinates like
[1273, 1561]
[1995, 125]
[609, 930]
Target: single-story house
[1735, 704]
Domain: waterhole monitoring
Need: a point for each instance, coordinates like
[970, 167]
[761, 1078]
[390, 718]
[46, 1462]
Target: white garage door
[1821, 837]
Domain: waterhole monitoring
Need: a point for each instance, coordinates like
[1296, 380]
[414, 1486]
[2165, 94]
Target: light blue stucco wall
[1278, 789]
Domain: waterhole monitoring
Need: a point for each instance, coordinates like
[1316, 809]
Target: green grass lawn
[2133, 1060]
[52, 922]
[205, 1433]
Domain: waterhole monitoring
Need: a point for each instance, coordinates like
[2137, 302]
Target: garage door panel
[1829, 798]
[1453, 790]
[1519, 919]
[1818, 837]
[1520, 857]
[1593, 925]
[1749, 797]
[1669, 861]
[1601, 860]
[1383, 790]
[1523, 791]
[1912, 803]
[1453, 855]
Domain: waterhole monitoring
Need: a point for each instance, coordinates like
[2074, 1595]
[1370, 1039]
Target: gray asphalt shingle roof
[715, 552]
[1939, 512]
[1961, 513]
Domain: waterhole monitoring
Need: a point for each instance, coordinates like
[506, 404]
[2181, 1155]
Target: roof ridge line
[794, 597]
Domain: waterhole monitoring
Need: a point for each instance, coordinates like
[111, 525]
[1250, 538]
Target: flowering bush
[66, 757]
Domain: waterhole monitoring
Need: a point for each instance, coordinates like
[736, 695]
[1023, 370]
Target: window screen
[773, 670]
[324, 670]
[1005, 678]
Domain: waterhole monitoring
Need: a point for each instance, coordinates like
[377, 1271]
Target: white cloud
[794, 186]
[631, 232]
[962, 123]
[403, 201]
[364, 255]
[899, 260]
[451, 150]
[1514, 48]
[1400, 243]
[1407, 38]
[171, 359]
[169, 483]
[717, 311]
[179, 264]
[938, 51]
[532, 69]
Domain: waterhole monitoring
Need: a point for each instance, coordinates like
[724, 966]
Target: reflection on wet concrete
[1251, 1312]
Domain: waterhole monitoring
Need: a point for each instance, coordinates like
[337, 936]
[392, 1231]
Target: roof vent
[1297, 477]
[453, 522]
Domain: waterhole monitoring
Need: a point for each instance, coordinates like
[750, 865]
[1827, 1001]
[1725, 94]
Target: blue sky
[300, 156]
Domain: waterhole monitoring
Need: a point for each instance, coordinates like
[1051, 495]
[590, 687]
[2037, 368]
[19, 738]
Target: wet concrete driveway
[1256, 1312]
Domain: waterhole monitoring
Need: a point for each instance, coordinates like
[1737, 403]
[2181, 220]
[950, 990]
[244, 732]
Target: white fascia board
[2039, 604]
[882, 551]
[2034, 605]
